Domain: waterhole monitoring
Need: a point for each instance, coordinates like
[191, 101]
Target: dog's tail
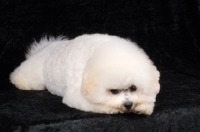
[36, 46]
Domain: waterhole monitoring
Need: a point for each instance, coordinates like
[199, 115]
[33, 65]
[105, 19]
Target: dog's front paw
[114, 111]
[145, 108]
[107, 110]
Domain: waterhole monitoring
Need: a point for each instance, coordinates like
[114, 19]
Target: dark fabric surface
[169, 31]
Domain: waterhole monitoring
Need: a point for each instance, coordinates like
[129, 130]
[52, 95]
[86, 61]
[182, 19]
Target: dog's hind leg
[29, 75]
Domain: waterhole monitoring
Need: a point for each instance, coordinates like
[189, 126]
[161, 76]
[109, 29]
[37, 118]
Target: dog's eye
[114, 91]
[133, 88]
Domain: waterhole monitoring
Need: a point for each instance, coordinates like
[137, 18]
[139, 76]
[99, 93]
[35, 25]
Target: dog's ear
[155, 82]
[156, 86]
[88, 83]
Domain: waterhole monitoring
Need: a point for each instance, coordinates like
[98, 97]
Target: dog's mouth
[128, 111]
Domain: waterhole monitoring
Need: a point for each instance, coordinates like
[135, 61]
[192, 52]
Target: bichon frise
[97, 73]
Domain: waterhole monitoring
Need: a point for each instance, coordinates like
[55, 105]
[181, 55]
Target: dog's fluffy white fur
[97, 73]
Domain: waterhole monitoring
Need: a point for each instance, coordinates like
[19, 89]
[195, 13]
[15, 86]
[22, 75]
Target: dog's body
[97, 73]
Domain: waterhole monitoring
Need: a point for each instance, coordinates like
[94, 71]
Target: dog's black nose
[128, 105]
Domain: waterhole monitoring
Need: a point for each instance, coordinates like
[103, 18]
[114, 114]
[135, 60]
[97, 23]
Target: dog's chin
[135, 111]
[131, 111]
[126, 111]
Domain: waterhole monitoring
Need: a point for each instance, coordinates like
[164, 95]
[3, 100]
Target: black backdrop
[168, 30]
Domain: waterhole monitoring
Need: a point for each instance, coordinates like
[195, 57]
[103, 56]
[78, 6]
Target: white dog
[97, 73]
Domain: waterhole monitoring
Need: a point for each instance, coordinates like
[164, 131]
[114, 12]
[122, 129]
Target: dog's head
[120, 75]
[121, 88]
